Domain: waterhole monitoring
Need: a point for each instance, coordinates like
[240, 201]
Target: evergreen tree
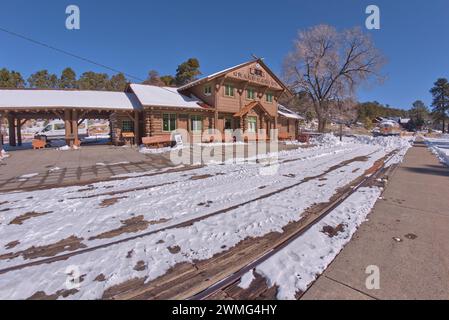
[440, 103]
[154, 79]
[117, 82]
[11, 79]
[68, 79]
[43, 80]
[187, 72]
[168, 80]
[418, 114]
[93, 81]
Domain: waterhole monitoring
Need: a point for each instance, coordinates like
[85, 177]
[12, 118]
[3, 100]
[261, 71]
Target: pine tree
[117, 82]
[187, 72]
[154, 79]
[43, 80]
[93, 81]
[11, 79]
[418, 114]
[68, 79]
[168, 80]
[440, 103]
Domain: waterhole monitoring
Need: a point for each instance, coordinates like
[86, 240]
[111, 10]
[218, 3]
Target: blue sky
[136, 36]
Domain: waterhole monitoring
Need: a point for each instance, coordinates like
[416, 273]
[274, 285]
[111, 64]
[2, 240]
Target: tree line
[186, 72]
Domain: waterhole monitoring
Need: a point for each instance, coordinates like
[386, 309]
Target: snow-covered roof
[283, 111]
[163, 97]
[21, 99]
[404, 120]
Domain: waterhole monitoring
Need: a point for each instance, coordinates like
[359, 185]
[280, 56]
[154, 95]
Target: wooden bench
[129, 137]
[38, 144]
[157, 141]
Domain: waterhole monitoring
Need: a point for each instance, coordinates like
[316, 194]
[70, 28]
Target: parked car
[55, 130]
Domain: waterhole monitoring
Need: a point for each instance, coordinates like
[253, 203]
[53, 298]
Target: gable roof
[248, 107]
[74, 99]
[214, 75]
[164, 97]
[225, 71]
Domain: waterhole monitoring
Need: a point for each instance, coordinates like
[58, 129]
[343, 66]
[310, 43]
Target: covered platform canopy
[72, 106]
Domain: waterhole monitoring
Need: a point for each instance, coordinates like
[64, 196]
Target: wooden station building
[242, 97]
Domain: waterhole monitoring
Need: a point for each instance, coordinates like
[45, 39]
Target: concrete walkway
[415, 209]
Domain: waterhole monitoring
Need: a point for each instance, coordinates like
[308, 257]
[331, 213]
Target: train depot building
[243, 98]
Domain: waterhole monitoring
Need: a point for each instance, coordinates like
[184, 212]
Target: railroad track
[181, 224]
[234, 278]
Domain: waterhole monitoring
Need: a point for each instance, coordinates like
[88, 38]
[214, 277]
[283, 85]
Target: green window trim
[250, 94]
[229, 90]
[252, 124]
[168, 122]
[208, 90]
[196, 123]
[127, 126]
[269, 96]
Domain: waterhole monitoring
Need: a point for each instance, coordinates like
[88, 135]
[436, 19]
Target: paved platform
[414, 209]
[28, 169]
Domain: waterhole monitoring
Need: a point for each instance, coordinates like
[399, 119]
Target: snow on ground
[296, 266]
[102, 164]
[146, 150]
[25, 177]
[439, 147]
[3, 154]
[165, 200]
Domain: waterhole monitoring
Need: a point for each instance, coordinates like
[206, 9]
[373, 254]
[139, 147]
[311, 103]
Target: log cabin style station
[243, 97]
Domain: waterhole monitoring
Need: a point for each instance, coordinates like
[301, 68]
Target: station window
[250, 93]
[252, 124]
[229, 90]
[269, 97]
[196, 123]
[208, 90]
[127, 126]
[168, 122]
[228, 124]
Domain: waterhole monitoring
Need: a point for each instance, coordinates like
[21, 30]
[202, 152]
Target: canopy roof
[73, 99]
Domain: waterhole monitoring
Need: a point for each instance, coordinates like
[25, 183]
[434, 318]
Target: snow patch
[296, 266]
[439, 147]
[246, 280]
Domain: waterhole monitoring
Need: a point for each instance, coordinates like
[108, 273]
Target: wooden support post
[74, 121]
[136, 128]
[216, 120]
[11, 130]
[111, 138]
[68, 127]
[152, 124]
[1, 131]
[19, 131]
